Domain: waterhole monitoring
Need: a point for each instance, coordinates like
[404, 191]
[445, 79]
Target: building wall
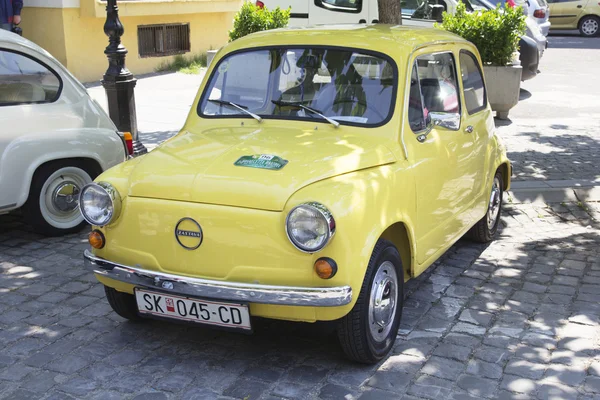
[75, 35]
[45, 27]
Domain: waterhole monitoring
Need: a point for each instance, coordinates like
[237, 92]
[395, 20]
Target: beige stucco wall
[75, 36]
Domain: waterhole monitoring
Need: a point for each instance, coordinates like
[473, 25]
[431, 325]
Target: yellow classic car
[318, 170]
[576, 14]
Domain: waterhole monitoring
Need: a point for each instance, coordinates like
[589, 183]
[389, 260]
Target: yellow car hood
[199, 167]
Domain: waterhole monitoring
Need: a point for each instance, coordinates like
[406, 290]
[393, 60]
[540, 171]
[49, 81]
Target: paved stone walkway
[519, 318]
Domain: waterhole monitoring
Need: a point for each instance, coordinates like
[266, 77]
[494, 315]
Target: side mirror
[436, 12]
[446, 120]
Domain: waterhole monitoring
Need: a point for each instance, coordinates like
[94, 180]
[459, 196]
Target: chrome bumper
[234, 291]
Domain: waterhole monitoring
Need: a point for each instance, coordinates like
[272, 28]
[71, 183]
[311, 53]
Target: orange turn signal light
[96, 239]
[325, 267]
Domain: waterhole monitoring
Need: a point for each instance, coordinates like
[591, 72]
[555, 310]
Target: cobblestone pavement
[554, 131]
[519, 318]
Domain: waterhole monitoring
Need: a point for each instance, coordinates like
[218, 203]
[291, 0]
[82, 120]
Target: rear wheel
[485, 230]
[369, 331]
[52, 207]
[123, 304]
[589, 26]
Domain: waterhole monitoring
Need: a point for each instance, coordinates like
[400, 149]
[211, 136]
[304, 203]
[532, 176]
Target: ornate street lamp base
[118, 81]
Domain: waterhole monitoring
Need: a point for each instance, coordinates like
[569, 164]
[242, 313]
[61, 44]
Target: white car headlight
[310, 226]
[99, 203]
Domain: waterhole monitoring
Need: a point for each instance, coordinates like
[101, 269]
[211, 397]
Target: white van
[318, 12]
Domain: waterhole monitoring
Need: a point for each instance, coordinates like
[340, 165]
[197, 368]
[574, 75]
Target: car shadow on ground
[561, 153]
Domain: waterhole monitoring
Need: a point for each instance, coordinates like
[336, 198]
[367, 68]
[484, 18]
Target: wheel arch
[90, 164]
[582, 17]
[399, 234]
[506, 171]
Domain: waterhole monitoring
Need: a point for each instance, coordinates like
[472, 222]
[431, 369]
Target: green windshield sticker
[264, 161]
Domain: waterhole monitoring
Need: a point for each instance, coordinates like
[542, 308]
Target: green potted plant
[252, 18]
[496, 34]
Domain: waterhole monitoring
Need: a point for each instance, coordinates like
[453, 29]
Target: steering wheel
[374, 110]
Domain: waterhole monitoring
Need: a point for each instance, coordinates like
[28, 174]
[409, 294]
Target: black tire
[482, 232]
[32, 212]
[123, 304]
[353, 330]
[589, 22]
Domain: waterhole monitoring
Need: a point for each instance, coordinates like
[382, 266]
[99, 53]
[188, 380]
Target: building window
[163, 40]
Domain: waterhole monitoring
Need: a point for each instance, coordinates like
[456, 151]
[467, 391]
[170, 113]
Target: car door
[338, 11]
[566, 13]
[478, 128]
[439, 154]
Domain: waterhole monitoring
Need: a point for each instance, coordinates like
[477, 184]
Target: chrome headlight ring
[109, 208]
[322, 216]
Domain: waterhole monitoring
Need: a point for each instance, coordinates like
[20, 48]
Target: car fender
[25, 154]
[364, 205]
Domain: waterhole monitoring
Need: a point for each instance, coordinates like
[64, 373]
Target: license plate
[229, 315]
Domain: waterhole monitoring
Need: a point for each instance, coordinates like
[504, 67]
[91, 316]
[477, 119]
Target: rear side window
[474, 89]
[24, 80]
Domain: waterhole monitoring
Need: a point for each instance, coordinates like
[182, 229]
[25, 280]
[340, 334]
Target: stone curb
[555, 191]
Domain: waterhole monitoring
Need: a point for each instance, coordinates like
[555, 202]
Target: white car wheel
[59, 197]
[53, 204]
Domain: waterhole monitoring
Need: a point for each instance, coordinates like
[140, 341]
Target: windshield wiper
[237, 106]
[281, 103]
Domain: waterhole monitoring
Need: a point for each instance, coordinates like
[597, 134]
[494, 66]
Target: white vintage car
[54, 138]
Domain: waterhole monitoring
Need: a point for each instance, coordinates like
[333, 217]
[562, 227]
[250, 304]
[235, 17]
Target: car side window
[437, 86]
[24, 80]
[473, 87]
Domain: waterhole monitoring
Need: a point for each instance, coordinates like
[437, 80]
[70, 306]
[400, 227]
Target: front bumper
[234, 291]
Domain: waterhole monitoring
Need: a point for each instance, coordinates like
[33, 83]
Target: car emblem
[188, 233]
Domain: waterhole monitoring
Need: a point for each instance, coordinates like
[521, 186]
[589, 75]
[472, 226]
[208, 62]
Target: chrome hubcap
[590, 27]
[64, 197]
[383, 301]
[494, 207]
[59, 197]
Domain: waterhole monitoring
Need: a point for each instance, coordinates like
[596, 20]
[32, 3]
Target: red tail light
[541, 13]
[260, 4]
[128, 142]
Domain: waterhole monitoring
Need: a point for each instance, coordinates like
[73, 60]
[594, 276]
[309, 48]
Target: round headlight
[99, 203]
[310, 226]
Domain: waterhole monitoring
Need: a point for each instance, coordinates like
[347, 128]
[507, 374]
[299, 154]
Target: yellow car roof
[394, 40]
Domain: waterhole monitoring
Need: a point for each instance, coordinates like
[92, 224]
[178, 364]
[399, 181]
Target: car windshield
[328, 85]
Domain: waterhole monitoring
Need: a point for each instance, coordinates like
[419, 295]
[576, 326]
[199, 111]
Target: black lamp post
[118, 80]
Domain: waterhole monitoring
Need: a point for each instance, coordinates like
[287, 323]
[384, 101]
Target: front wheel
[123, 304]
[589, 26]
[485, 230]
[369, 331]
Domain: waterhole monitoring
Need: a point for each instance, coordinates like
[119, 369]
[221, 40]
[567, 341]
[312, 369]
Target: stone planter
[210, 54]
[503, 85]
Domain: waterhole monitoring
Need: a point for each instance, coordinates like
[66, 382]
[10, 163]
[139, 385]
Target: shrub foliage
[252, 19]
[495, 32]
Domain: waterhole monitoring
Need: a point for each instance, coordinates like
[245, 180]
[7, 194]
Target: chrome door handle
[469, 129]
